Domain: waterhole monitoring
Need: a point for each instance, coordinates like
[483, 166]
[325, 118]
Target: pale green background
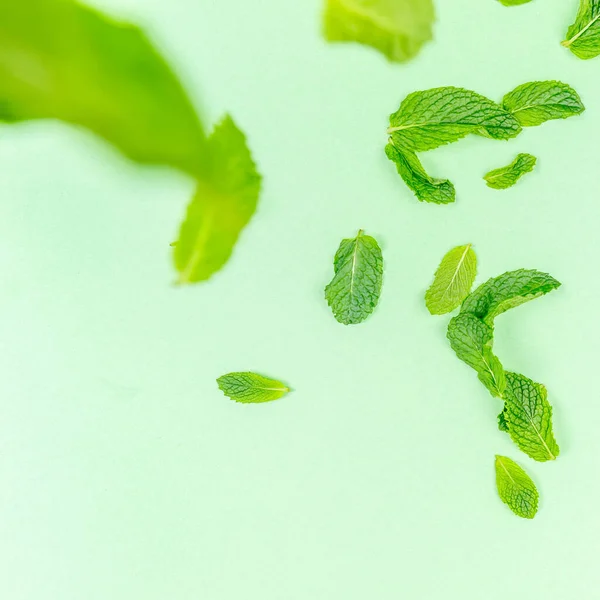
[124, 472]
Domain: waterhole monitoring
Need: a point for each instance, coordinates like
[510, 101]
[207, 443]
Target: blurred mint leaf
[515, 488]
[528, 415]
[505, 177]
[513, 2]
[355, 288]
[62, 60]
[583, 37]
[452, 281]
[397, 28]
[506, 291]
[225, 200]
[425, 188]
[250, 388]
[539, 101]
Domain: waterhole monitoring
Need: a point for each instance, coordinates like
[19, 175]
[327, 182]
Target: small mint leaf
[528, 415]
[452, 281]
[355, 288]
[250, 388]
[505, 177]
[515, 488]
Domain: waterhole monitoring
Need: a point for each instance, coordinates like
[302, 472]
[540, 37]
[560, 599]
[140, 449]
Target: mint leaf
[583, 37]
[62, 60]
[426, 188]
[505, 177]
[509, 290]
[540, 101]
[432, 118]
[250, 388]
[472, 339]
[397, 28]
[453, 280]
[528, 415]
[515, 487]
[225, 200]
[356, 286]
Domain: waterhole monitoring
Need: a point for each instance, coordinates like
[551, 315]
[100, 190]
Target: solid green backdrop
[126, 474]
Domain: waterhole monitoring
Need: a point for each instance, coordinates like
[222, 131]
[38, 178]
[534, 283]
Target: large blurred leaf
[225, 200]
[397, 28]
[62, 60]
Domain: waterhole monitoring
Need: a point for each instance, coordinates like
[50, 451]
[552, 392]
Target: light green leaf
[583, 37]
[426, 188]
[540, 101]
[62, 60]
[453, 280]
[515, 487]
[432, 118]
[397, 28]
[250, 388]
[224, 202]
[528, 415]
[505, 177]
[472, 339]
[506, 291]
[356, 286]
[513, 2]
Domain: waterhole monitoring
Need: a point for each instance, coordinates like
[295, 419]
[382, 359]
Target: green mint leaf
[506, 291]
[515, 487]
[453, 280]
[62, 60]
[225, 200]
[425, 188]
[432, 118]
[528, 415]
[505, 177]
[250, 388]
[583, 37]
[540, 101]
[471, 339]
[397, 28]
[513, 2]
[356, 286]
